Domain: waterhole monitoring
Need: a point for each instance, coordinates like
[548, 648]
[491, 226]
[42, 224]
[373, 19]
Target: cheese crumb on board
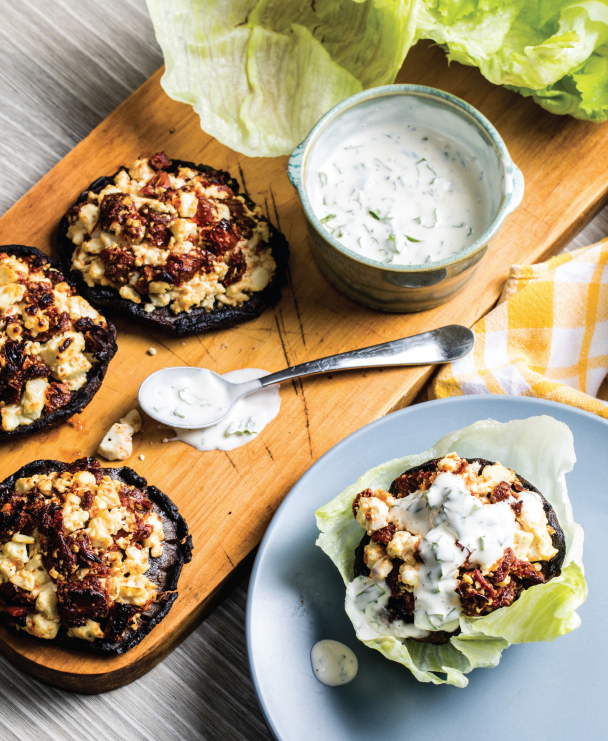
[117, 445]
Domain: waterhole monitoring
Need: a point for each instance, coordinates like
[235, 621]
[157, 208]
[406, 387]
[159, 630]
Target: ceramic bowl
[405, 288]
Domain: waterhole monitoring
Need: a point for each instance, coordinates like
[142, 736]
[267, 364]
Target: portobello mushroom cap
[550, 568]
[81, 398]
[197, 320]
[164, 571]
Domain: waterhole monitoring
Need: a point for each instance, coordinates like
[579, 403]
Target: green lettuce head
[261, 73]
[541, 450]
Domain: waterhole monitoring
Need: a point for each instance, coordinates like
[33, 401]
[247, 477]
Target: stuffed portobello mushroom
[90, 557]
[452, 537]
[175, 245]
[54, 346]
[448, 558]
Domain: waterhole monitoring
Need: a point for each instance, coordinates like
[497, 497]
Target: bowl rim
[512, 176]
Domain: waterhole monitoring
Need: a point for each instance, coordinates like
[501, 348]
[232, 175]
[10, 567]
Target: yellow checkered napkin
[547, 337]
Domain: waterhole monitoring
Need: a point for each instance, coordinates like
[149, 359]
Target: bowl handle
[294, 166]
[517, 188]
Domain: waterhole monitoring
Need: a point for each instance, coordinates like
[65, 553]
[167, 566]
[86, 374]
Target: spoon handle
[437, 346]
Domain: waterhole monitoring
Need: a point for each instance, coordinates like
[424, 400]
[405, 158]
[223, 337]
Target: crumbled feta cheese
[381, 569]
[403, 545]
[117, 445]
[38, 625]
[88, 632]
[408, 574]
[372, 514]
[372, 553]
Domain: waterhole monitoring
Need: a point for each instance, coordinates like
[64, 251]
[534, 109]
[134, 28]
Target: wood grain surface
[202, 690]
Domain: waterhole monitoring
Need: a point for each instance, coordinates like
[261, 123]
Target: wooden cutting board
[228, 499]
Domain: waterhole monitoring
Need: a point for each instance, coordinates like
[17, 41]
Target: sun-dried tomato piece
[57, 395]
[79, 601]
[501, 492]
[33, 368]
[115, 211]
[364, 493]
[138, 500]
[408, 483]
[506, 595]
[483, 583]
[92, 465]
[517, 508]
[384, 535]
[527, 573]
[157, 225]
[159, 161]
[499, 574]
[156, 185]
[86, 555]
[393, 578]
[62, 555]
[11, 372]
[96, 337]
[221, 237]
[87, 499]
[17, 611]
[184, 267]
[141, 530]
[205, 212]
[56, 277]
[213, 177]
[245, 224]
[16, 602]
[236, 268]
[119, 263]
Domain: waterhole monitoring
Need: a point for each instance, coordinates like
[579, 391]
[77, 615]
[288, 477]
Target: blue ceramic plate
[538, 692]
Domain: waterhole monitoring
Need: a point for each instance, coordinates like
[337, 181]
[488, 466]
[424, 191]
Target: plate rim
[448, 401]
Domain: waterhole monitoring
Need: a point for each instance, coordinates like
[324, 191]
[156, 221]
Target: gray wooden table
[64, 65]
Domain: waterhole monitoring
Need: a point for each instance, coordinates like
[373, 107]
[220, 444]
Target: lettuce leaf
[541, 449]
[260, 73]
[552, 50]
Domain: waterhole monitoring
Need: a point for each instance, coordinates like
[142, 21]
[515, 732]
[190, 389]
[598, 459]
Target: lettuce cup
[451, 555]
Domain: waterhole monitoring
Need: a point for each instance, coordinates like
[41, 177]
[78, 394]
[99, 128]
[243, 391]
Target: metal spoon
[437, 346]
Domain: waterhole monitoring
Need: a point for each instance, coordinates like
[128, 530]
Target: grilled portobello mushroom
[54, 346]
[90, 557]
[533, 559]
[176, 246]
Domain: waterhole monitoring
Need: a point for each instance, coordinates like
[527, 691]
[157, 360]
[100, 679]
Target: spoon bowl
[222, 394]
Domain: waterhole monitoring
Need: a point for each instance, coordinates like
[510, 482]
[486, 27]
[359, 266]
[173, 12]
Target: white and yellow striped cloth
[547, 337]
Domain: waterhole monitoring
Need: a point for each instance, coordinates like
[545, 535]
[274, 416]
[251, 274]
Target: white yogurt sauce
[452, 523]
[333, 663]
[247, 419]
[405, 195]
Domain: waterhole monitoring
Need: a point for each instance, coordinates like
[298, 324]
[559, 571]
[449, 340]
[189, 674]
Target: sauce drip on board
[247, 419]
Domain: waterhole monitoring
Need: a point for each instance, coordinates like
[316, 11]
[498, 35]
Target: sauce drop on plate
[333, 663]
